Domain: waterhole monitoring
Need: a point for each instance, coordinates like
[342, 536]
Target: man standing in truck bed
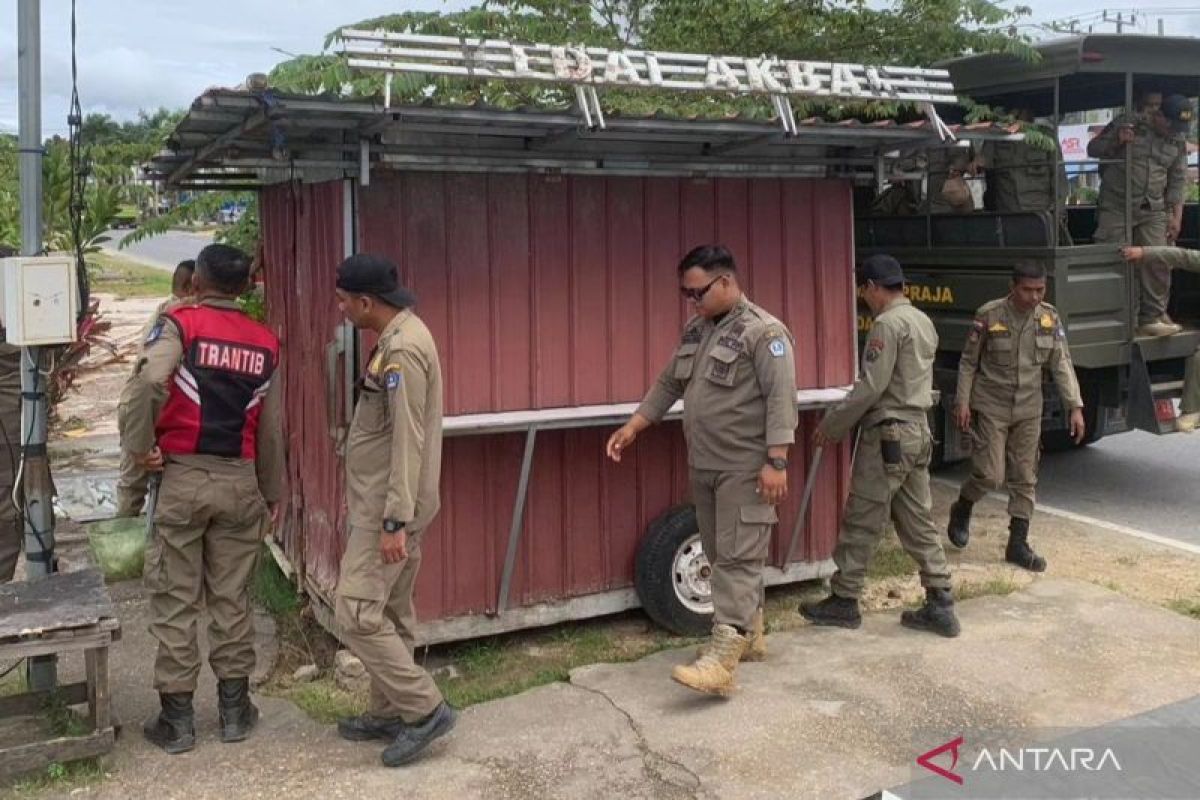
[1157, 181]
[999, 401]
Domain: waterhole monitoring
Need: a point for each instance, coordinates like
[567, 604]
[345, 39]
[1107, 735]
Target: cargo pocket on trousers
[154, 576]
[754, 532]
[891, 449]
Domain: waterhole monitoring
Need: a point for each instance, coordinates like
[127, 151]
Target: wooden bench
[59, 614]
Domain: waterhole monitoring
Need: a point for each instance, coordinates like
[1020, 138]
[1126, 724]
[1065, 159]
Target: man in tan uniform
[12, 532]
[1157, 166]
[890, 402]
[1176, 258]
[946, 188]
[1013, 342]
[133, 481]
[204, 409]
[1024, 178]
[736, 373]
[393, 466]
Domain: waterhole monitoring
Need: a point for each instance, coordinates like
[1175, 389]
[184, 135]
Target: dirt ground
[90, 409]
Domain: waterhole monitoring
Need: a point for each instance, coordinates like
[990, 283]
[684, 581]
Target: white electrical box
[41, 300]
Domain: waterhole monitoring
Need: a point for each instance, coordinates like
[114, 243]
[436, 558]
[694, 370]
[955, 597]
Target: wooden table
[61, 613]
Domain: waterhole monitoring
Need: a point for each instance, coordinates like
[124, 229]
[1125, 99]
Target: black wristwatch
[392, 526]
[778, 463]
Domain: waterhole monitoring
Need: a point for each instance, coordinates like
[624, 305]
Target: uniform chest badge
[1047, 322]
[998, 327]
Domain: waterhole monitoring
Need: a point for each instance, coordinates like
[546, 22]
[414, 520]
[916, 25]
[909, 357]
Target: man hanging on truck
[1177, 258]
[736, 371]
[1012, 342]
[1157, 179]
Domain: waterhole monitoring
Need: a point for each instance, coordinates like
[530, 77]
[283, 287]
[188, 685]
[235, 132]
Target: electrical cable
[79, 176]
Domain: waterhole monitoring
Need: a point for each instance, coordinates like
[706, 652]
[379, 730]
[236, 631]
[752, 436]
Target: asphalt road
[164, 251]
[1135, 479]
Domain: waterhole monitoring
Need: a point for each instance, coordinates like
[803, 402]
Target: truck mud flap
[1149, 406]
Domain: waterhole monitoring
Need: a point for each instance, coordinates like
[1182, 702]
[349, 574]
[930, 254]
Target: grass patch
[510, 665]
[890, 561]
[62, 778]
[1001, 585]
[1190, 608]
[125, 277]
[324, 701]
[271, 589]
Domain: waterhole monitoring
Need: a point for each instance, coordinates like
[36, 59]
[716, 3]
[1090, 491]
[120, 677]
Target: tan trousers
[132, 486]
[376, 621]
[1149, 229]
[1004, 453]
[207, 538]
[879, 490]
[735, 532]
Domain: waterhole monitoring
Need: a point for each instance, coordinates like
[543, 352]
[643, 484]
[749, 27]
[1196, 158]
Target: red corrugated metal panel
[302, 233]
[547, 291]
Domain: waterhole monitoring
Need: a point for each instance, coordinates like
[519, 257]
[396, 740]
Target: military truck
[956, 262]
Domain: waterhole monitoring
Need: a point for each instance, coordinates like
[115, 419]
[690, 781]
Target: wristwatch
[392, 526]
[778, 463]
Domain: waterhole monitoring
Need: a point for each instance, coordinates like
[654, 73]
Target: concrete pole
[39, 526]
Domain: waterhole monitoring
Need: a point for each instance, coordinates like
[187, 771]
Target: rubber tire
[653, 578]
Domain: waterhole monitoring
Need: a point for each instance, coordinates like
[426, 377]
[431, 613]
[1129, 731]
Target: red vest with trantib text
[215, 397]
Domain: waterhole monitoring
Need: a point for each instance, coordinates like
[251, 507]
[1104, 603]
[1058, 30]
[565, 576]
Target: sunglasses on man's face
[696, 295]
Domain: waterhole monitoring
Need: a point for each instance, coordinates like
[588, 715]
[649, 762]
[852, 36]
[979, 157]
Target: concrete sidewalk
[832, 713]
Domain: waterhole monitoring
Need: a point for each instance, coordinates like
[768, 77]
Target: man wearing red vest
[203, 408]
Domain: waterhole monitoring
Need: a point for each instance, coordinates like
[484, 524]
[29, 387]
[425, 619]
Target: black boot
[173, 729]
[959, 529]
[936, 616]
[238, 714]
[1018, 551]
[413, 739]
[366, 727]
[833, 610]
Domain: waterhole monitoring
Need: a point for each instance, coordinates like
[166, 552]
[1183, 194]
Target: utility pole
[35, 466]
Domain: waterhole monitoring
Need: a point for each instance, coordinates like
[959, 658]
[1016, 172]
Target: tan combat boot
[756, 649]
[1186, 423]
[712, 673]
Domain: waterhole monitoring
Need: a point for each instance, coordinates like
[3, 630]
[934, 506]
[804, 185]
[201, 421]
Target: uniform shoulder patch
[392, 377]
[873, 349]
[155, 333]
[777, 347]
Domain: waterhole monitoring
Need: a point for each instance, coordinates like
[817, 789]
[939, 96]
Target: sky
[142, 54]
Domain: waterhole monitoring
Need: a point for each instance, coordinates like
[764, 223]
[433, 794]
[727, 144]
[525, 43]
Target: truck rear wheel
[672, 574]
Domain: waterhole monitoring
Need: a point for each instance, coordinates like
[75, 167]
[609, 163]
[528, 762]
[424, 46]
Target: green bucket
[119, 546]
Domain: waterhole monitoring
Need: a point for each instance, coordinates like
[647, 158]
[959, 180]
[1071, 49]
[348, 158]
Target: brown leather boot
[712, 673]
[756, 649]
